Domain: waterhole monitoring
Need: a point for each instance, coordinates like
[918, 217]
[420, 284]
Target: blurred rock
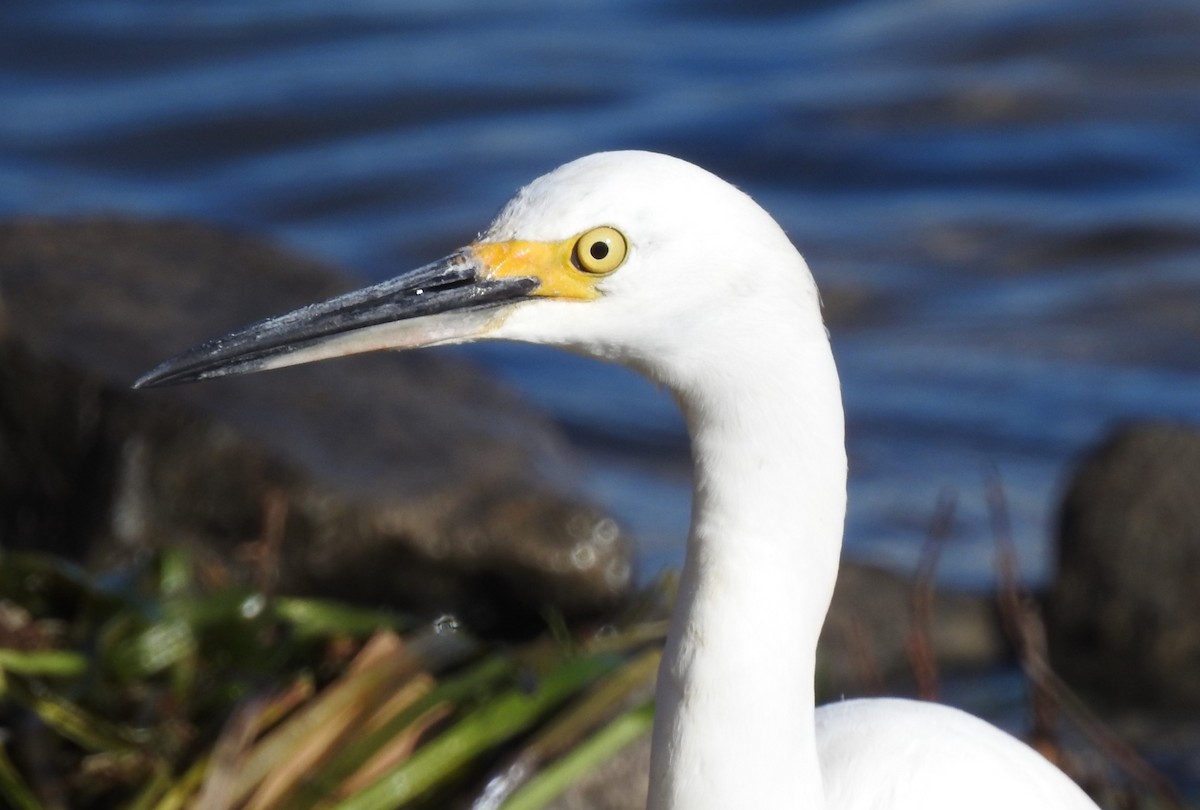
[1124, 610]
[401, 479]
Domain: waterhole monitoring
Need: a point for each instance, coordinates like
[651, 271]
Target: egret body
[648, 261]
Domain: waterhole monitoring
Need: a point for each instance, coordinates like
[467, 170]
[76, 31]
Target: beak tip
[150, 379]
[174, 373]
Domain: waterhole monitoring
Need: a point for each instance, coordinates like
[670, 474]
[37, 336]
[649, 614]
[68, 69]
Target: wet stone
[1124, 610]
[403, 479]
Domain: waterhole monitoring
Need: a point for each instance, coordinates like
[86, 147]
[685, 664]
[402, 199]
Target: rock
[400, 479]
[1124, 609]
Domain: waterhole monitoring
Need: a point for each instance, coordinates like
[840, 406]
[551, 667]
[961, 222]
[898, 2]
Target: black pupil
[598, 250]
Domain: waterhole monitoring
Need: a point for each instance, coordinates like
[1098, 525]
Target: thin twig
[1021, 622]
[919, 643]
[263, 552]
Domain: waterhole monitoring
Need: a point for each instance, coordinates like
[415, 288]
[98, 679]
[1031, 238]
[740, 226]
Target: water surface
[1001, 201]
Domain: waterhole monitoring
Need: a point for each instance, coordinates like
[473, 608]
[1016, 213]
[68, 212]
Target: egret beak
[448, 301]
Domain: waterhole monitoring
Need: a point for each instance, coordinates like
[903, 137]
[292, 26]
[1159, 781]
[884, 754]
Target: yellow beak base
[548, 262]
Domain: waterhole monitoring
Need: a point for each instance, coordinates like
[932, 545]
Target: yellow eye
[600, 250]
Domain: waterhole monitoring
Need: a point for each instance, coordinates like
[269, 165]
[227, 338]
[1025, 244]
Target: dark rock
[401, 479]
[1124, 609]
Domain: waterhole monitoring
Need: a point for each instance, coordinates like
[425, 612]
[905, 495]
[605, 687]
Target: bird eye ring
[600, 250]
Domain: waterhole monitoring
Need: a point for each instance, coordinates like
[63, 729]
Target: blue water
[1001, 201]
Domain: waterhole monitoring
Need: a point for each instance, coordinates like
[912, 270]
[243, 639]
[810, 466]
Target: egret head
[634, 257]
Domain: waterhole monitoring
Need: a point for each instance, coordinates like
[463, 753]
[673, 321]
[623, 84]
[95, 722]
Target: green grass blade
[85, 729]
[629, 685]
[551, 782]
[45, 663]
[178, 795]
[499, 719]
[479, 679]
[635, 677]
[150, 651]
[13, 790]
[317, 618]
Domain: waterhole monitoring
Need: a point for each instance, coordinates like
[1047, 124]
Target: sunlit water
[1001, 201]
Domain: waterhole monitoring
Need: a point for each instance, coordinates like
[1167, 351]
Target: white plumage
[708, 297]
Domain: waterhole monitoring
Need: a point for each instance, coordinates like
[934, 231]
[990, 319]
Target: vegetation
[166, 687]
[160, 688]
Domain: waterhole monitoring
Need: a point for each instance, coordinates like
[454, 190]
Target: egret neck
[734, 716]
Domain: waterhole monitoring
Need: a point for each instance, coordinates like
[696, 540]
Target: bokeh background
[1000, 200]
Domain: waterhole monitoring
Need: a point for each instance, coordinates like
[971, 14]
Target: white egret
[648, 261]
